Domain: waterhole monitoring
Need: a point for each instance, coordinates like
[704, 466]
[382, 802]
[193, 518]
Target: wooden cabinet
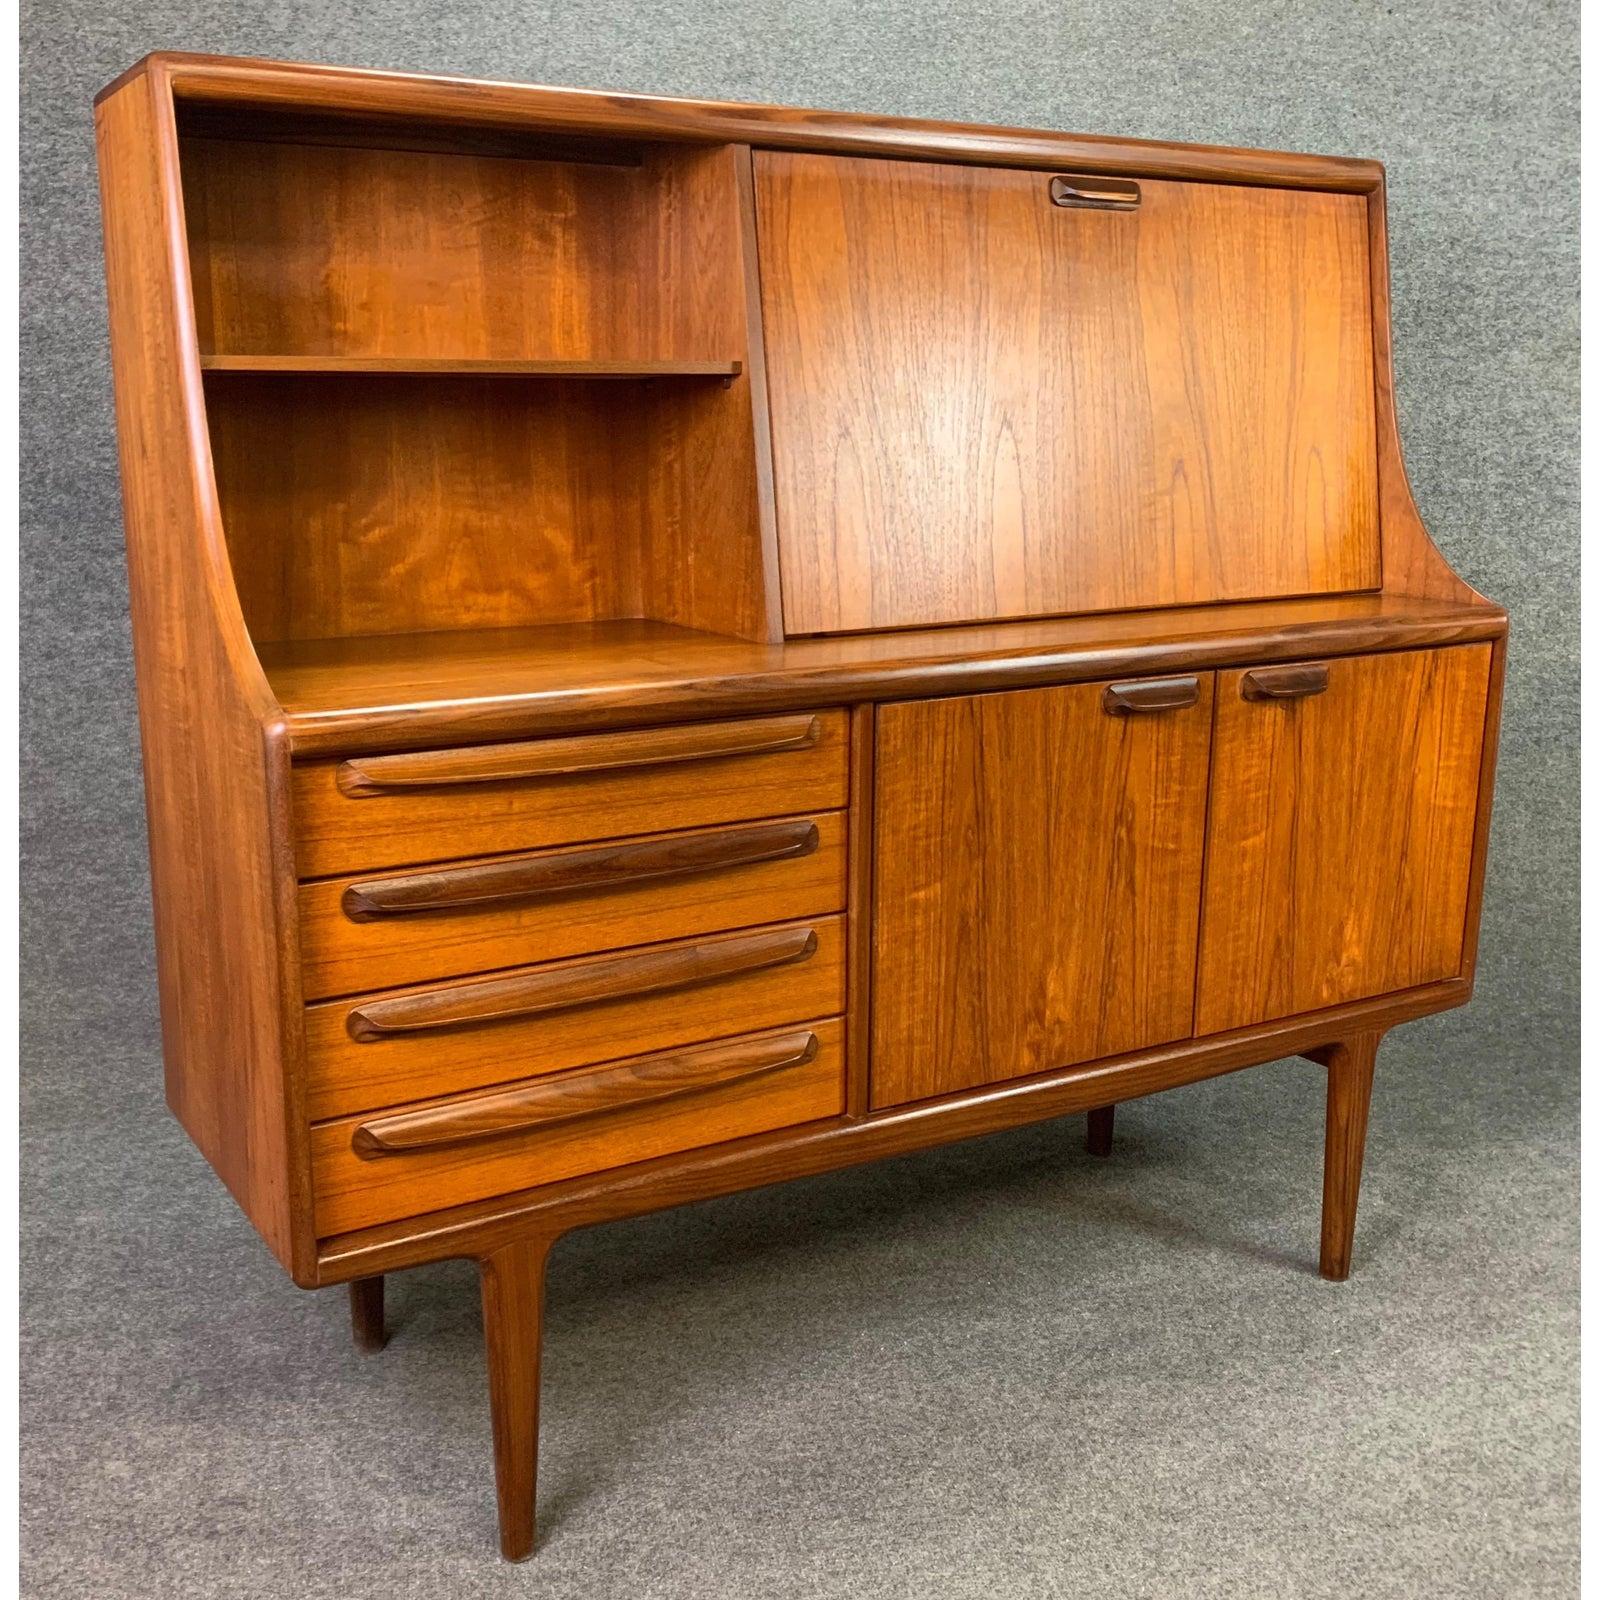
[1343, 808]
[1037, 889]
[684, 646]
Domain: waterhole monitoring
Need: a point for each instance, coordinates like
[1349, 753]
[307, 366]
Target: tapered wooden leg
[1102, 1124]
[1349, 1065]
[513, 1313]
[366, 1313]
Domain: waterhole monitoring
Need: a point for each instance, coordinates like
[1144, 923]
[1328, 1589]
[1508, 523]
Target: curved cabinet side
[216, 752]
[1412, 563]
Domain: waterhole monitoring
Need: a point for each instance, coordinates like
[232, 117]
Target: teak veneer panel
[349, 957]
[985, 405]
[337, 250]
[358, 506]
[353, 1192]
[216, 751]
[337, 831]
[345, 1074]
[1037, 890]
[1340, 847]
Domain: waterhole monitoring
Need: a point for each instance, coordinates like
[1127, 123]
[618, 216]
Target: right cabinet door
[1344, 796]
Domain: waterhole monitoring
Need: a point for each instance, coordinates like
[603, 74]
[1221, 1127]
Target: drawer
[378, 1167]
[363, 933]
[411, 1044]
[434, 805]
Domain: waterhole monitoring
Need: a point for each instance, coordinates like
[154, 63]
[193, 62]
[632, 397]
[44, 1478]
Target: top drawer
[379, 811]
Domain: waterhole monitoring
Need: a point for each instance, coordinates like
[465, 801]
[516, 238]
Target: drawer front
[417, 1043]
[365, 933]
[434, 805]
[379, 1167]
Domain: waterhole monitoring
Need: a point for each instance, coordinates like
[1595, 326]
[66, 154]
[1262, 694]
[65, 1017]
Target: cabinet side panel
[1037, 884]
[215, 757]
[1340, 852]
[986, 405]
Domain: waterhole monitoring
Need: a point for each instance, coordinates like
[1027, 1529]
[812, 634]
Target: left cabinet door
[1037, 880]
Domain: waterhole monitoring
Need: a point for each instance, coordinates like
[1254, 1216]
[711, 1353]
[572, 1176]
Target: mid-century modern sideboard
[684, 645]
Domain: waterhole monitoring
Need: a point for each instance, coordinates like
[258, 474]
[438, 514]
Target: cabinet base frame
[511, 1239]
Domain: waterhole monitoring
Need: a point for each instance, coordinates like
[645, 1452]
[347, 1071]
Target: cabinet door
[1036, 883]
[988, 405]
[1340, 846]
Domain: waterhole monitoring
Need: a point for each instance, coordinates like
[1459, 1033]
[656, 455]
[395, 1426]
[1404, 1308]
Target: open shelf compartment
[506, 388]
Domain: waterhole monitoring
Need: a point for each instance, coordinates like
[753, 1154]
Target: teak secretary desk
[686, 645]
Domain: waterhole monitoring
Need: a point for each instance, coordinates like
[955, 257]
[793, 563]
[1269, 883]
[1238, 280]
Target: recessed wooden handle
[576, 871]
[468, 1005]
[1297, 682]
[559, 758]
[1094, 194]
[1152, 694]
[621, 1087]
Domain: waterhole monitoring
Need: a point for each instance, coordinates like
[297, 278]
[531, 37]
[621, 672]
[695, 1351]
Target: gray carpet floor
[1000, 1369]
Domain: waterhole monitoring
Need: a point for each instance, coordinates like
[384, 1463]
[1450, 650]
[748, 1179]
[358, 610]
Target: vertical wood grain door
[1339, 856]
[986, 404]
[1036, 883]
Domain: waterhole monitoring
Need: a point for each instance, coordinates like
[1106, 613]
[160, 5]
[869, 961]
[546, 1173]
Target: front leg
[1349, 1064]
[513, 1317]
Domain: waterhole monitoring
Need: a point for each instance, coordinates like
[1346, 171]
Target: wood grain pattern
[345, 957]
[216, 753]
[573, 1096]
[595, 1008]
[1350, 1065]
[613, 784]
[353, 1193]
[1340, 843]
[1037, 885]
[421, 690]
[310, 249]
[1166, 406]
[359, 506]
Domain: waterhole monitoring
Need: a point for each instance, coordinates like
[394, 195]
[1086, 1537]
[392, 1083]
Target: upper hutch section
[476, 360]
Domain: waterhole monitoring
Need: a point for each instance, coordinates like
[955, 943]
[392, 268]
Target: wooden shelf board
[423, 366]
[342, 696]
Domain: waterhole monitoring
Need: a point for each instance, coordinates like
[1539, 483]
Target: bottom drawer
[398, 1163]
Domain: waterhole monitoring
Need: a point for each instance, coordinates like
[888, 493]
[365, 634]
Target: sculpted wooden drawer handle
[647, 1081]
[557, 758]
[1152, 694]
[1297, 682]
[592, 983]
[576, 871]
[1095, 194]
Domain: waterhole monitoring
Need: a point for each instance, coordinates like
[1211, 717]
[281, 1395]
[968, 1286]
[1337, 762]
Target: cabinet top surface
[281, 86]
[410, 690]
